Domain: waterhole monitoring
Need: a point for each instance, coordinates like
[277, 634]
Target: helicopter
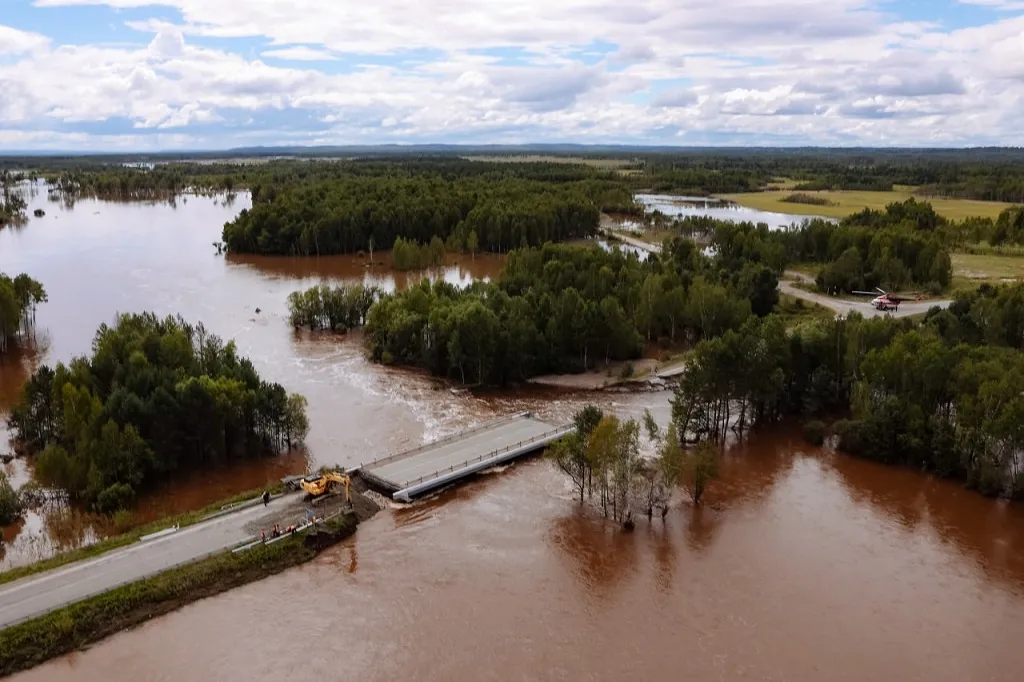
[886, 301]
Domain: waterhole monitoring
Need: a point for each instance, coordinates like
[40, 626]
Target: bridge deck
[413, 472]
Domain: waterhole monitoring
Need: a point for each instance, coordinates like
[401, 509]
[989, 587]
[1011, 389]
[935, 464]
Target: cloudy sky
[171, 74]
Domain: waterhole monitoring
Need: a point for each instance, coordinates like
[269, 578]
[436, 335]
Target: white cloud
[490, 70]
[300, 53]
[14, 41]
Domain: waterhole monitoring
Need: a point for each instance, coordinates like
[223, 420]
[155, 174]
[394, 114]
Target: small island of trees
[19, 298]
[157, 396]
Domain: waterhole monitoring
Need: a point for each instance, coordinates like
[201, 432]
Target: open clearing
[846, 203]
[970, 270]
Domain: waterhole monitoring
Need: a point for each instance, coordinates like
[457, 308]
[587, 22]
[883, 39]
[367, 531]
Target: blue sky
[172, 74]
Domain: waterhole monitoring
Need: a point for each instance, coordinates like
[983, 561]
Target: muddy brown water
[802, 565]
[99, 258]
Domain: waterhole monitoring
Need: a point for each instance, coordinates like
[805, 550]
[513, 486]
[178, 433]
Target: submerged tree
[699, 466]
[19, 298]
[11, 505]
[333, 309]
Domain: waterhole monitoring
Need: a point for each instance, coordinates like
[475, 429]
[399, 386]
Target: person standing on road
[266, 498]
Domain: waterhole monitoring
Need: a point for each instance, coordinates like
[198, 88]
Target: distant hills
[1006, 154]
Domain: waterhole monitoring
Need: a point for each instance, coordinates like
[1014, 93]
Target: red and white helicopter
[886, 301]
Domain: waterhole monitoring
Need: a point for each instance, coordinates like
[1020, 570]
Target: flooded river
[101, 258]
[802, 565]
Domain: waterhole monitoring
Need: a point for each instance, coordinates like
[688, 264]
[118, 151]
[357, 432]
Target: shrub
[799, 198]
[814, 432]
[11, 505]
[627, 371]
[849, 434]
[115, 498]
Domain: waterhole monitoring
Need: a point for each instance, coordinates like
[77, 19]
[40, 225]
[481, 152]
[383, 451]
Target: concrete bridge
[411, 473]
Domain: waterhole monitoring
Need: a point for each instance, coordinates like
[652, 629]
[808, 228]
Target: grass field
[970, 270]
[846, 203]
[794, 310]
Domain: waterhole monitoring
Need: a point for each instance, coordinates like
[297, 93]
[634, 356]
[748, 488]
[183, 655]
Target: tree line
[982, 174]
[19, 298]
[565, 308]
[157, 396]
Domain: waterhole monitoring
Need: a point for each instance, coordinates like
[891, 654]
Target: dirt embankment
[295, 510]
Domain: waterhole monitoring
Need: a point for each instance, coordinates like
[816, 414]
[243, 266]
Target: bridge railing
[553, 433]
[485, 426]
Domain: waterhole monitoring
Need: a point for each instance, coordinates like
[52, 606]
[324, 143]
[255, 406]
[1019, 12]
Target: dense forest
[566, 308]
[943, 395]
[157, 396]
[352, 214]
[19, 298]
[984, 174]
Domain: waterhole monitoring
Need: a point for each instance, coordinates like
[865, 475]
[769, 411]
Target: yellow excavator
[318, 484]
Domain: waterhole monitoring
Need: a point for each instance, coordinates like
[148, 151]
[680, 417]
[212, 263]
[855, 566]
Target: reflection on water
[459, 269]
[803, 568]
[598, 554]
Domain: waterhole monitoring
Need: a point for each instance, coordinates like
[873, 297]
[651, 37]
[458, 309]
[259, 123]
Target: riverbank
[636, 375]
[78, 625]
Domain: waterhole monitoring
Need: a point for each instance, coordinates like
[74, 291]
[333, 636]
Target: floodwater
[802, 565]
[677, 207]
[99, 258]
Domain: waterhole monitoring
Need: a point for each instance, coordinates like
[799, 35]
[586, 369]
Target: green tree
[11, 505]
[699, 468]
[296, 424]
[569, 455]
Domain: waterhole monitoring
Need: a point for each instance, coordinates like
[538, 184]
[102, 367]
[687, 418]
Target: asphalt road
[845, 307]
[39, 594]
[437, 457]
